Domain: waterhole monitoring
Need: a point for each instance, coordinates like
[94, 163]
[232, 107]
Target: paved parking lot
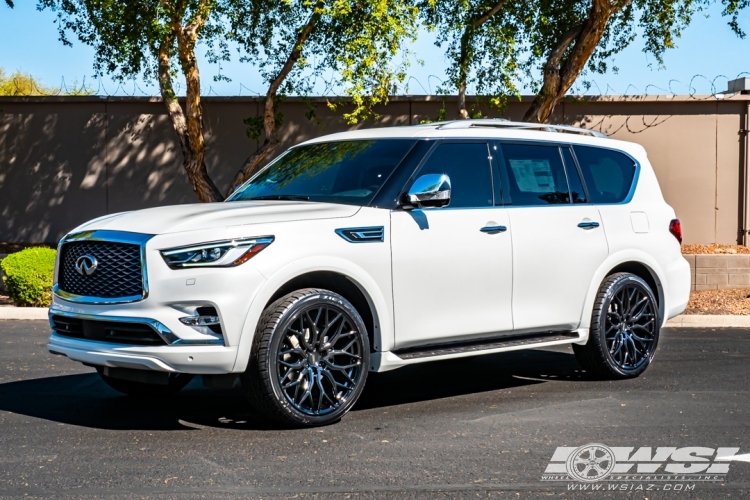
[474, 428]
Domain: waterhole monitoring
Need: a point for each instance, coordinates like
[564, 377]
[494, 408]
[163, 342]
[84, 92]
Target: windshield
[349, 172]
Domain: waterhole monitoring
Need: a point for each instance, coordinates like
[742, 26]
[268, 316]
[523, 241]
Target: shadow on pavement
[85, 400]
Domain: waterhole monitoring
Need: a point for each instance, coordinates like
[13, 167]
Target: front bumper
[198, 359]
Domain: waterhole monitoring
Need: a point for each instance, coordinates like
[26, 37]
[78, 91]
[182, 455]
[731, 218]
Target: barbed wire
[28, 87]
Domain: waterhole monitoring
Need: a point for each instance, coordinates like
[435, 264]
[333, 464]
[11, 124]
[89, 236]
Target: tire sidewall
[601, 328]
[291, 315]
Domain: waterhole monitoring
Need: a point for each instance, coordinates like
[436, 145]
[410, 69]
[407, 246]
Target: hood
[177, 218]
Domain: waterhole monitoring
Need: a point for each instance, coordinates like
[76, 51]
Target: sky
[707, 55]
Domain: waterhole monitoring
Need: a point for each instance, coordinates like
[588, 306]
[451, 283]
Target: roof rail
[502, 123]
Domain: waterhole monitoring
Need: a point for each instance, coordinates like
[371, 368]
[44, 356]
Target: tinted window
[535, 175]
[468, 166]
[349, 172]
[608, 174]
[574, 178]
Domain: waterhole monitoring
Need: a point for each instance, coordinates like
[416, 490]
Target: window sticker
[533, 176]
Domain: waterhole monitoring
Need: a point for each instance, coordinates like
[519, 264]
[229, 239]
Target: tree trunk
[271, 141]
[465, 54]
[189, 129]
[463, 72]
[559, 75]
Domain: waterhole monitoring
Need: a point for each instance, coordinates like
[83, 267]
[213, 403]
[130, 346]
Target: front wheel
[624, 329]
[310, 359]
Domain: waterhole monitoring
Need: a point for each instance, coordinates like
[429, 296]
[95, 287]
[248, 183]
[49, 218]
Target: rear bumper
[200, 359]
[677, 288]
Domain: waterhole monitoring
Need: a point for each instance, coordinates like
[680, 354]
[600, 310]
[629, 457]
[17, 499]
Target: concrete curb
[23, 312]
[709, 321]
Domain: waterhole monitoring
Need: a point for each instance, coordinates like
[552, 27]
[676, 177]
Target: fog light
[200, 320]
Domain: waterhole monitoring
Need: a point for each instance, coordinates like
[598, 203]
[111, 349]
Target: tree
[732, 9]
[566, 38]
[156, 38]
[22, 84]
[482, 46]
[357, 40]
[143, 37]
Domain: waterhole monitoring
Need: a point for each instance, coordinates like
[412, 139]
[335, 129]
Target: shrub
[28, 276]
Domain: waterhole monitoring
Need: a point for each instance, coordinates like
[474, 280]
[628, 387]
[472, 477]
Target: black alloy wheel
[310, 359]
[624, 330]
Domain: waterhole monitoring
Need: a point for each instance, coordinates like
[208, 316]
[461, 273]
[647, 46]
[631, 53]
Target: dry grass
[720, 302]
[714, 249]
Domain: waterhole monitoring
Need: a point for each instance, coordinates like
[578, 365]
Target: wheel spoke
[307, 371]
[630, 327]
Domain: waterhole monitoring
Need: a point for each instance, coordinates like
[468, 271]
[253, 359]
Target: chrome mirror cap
[431, 190]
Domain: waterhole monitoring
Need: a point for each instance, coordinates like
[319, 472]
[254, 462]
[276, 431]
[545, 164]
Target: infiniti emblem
[86, 265]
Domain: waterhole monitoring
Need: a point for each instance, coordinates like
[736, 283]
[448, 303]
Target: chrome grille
[118, 272]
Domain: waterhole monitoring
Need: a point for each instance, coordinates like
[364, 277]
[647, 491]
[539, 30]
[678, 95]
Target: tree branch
[271, 141]
[465, 55]
[576, 47]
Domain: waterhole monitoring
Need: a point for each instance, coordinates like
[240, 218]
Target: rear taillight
[676, 229]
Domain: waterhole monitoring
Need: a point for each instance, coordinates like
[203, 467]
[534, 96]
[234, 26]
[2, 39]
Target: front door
[558, 238]
[452, 266]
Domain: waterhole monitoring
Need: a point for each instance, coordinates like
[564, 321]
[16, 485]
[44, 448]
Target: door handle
[494, 229]
[588, 225]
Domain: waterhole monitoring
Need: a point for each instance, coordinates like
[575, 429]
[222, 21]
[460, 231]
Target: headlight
[216, 254]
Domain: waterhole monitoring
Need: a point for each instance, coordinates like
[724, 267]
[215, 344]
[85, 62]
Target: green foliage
[661, 21]
[483, 53]
[355, 41]
[23, 84]
[732, 9]
[125, 36]
[254, 124]
[28, 276]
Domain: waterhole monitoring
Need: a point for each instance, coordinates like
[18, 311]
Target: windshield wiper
[285, 197]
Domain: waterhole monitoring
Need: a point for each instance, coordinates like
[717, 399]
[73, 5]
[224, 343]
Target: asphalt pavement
[482, 427]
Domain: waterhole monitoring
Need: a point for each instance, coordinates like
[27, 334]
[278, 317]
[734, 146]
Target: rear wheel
[310, 359]
[173, 383]
[624, 329]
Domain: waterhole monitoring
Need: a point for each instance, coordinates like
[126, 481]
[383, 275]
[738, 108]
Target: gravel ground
[713, 249]
[719, 302]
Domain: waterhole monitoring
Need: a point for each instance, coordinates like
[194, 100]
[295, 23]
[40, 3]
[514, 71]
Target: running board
[484, 345]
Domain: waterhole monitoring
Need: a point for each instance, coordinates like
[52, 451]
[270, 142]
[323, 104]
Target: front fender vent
[362, 234]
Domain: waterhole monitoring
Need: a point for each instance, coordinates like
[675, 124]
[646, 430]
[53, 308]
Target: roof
[490, 129]
[485, 128]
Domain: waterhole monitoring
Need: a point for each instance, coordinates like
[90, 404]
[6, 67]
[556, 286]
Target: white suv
[376, 249]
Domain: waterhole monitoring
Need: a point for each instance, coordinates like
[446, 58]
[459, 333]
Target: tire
[300, 376]
[624, 329]
[175, 383]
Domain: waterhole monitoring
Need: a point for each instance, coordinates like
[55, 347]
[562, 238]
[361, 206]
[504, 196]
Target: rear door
[558, 238]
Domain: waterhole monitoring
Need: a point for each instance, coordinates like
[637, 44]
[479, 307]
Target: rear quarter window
[608, 174]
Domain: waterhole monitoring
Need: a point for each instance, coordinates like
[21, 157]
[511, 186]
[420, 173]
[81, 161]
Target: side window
[468, 166]
[574, 178]
[535, 175]
[608, 174]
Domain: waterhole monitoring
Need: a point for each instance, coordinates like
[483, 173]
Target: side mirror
[431, 190]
